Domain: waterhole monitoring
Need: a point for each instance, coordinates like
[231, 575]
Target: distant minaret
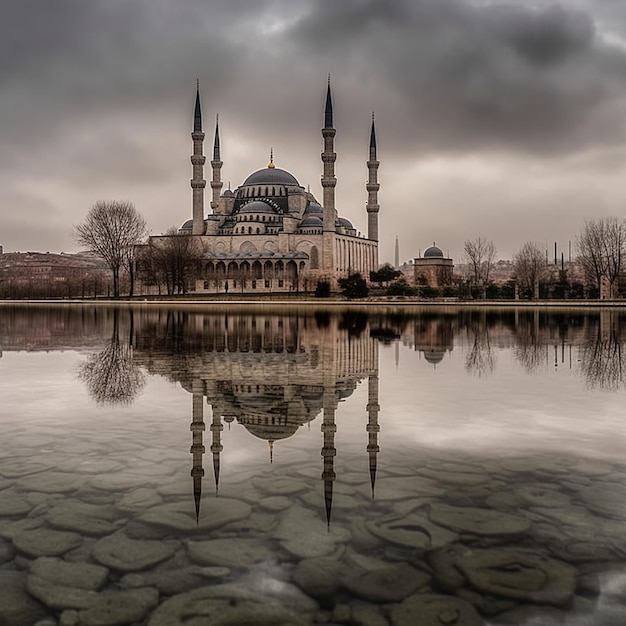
[373, 428]
[397, 256]
[372, 188]
[329, 181]
[197, 160]
[216, 166]
[197, 448]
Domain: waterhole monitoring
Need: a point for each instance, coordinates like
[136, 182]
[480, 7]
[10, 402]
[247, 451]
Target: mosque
[271, 234]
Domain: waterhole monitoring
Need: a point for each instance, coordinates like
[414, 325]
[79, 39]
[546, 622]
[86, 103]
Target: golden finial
[271, 163]
[271, 442]
[197, 83]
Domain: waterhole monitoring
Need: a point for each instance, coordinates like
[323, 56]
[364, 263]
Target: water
[206, 465]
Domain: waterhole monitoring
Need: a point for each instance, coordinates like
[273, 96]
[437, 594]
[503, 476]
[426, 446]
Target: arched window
[258, 230]
[266, 192]
[315, 258]
[249, 230]
[273, 191]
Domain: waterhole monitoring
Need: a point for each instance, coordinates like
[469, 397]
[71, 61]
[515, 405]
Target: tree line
[117, 232]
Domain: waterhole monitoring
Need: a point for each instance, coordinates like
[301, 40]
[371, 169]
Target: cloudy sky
[504, 119]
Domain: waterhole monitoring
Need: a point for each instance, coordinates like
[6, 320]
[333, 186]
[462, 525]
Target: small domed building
[433, 269]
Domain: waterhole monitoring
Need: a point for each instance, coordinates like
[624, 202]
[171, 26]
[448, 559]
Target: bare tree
[602, 247]
[480, 255]
[529, 263]
[111, 229]
[174, 259]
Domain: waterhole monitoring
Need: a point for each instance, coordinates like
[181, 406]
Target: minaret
[197, 160]
[329, 181]
[373, 428]
[216, 166]
[397, 255]
[197, 448]
[372, 188]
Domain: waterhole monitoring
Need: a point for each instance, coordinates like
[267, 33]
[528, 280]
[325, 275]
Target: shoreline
[395, 302]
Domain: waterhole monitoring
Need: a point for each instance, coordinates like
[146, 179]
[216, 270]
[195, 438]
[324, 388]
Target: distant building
[433, 269]
[39, 274]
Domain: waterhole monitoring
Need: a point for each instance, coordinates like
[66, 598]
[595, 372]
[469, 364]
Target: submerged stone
[392, 583]
[412, 531]
[606, 500]
[214, 513]
[519, 575]
[434, 610]
[87, 519]
[118, 608]
[130, 555]
[17, 607]
[70, 574]
[478, 521]
[236, 552]
[12, 505]
[225, 605]
[303, 534]
[45, 542]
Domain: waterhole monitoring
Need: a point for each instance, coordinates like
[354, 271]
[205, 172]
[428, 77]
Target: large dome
[271, 176]
[433, 252]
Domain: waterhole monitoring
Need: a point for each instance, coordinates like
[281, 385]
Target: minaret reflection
[197, 428]
[373, 428]
[270, 373]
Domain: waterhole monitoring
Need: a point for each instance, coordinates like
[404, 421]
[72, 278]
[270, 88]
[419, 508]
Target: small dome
[344, 223]
[433, 252]
[228, 194]
[188, 225]
[256, 206]
[271, 176]
[314, 208]
[311, 221]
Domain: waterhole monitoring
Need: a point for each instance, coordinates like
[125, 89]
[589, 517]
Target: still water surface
[234, 466]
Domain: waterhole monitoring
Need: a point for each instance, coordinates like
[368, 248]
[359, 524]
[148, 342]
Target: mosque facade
[271, 234]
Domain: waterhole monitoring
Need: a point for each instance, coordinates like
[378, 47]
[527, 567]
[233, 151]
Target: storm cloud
[504, 119]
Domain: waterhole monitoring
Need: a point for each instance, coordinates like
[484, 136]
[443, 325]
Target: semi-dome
[314, 208]
[344, 223]
[271, 176]
[256, 206]
[433, 252]
[188, 225]
[311, 221]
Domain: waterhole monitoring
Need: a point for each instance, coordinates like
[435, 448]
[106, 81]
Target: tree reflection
[529, 351]
[601, 355]
[480, 359]
[110, 375]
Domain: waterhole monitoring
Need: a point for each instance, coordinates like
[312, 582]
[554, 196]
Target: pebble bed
[447, 540]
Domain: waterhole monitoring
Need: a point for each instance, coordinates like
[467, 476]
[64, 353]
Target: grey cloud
[469, 76]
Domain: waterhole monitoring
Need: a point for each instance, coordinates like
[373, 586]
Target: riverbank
[298, 301]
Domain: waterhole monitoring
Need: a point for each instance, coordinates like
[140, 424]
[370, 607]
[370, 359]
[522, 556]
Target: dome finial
[271, 163]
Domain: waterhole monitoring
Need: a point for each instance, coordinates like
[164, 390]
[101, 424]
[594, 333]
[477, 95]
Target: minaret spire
[328, 111]
[216, 166]
[197, 161]
[372, 188]
[328, 184]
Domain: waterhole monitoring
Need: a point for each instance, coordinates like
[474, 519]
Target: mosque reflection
[274, 371]
[270, 373]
